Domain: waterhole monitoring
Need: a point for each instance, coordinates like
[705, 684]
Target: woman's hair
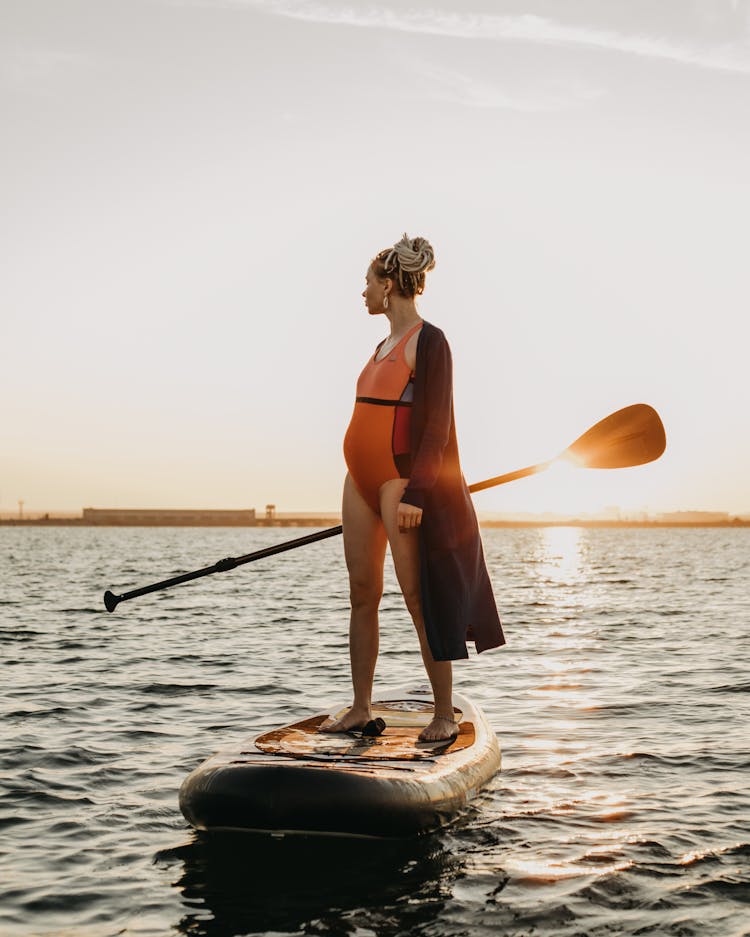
[406, 262]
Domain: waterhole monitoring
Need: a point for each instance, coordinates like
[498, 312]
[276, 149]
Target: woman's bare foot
[440, 729]
[355, 718]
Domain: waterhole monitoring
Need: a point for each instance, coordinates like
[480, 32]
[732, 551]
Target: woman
[405, 488]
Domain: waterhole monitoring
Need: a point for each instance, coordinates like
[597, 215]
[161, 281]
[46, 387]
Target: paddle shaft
[509, 477]
[111, 601]
[631, 436]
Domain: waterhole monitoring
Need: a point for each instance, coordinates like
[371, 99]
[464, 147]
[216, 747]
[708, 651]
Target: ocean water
[621, 702]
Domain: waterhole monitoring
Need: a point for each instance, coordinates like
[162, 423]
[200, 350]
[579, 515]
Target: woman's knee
[365, 595]
[413, 600]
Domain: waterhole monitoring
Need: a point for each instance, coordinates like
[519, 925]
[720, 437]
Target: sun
[572, 491]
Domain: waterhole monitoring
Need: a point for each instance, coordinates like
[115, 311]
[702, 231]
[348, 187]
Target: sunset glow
[182, 307]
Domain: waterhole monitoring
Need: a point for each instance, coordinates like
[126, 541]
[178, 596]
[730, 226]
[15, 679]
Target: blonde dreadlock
[406, 262]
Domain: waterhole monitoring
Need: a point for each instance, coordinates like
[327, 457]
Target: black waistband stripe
[384, 403]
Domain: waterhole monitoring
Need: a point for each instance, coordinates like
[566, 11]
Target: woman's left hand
[409, 517]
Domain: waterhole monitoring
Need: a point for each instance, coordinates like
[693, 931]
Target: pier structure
[165, 517]
[171, 517]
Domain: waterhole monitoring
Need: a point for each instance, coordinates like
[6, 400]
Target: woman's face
[374, 291]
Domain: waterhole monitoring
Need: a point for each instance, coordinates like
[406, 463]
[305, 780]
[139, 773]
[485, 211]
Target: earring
[385, 301]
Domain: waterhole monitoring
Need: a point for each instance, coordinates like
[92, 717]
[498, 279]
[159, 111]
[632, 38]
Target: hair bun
[413, 255]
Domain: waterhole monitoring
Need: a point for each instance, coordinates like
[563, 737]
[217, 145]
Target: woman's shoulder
[431, 340]
[431, 334]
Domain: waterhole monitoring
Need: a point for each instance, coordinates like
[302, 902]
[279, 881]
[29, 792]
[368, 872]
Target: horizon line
[613, 512]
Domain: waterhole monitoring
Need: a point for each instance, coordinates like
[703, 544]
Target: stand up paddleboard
[296, 780]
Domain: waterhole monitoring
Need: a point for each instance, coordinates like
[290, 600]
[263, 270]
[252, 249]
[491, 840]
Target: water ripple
[621, 702]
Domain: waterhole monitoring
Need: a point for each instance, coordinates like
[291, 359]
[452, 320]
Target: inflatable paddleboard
[296, 780]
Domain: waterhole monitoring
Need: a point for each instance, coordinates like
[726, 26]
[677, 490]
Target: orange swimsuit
[376, 445]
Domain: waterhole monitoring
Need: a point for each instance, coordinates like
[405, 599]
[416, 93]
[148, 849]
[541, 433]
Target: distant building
[159, 517]
[694, 517]
[611, 513]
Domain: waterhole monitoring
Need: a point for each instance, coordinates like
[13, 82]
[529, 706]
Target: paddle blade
[631, 436]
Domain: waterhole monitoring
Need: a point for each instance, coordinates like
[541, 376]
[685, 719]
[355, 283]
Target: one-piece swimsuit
[377, 445]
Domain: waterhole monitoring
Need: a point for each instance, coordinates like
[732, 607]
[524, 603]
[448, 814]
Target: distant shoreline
[334, 520]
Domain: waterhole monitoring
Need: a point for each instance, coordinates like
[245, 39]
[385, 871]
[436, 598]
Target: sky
[191, 192]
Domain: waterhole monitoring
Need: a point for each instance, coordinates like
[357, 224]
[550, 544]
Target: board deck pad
[404, 720]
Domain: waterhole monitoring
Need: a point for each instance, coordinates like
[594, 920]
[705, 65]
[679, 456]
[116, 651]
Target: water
[621, 702]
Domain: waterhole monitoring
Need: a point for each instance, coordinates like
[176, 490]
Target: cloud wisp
[729, 57]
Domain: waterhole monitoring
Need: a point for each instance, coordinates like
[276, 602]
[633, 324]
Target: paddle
[631, 436]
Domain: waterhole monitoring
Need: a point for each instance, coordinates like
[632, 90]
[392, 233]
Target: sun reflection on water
[553, 781]
[561, 554]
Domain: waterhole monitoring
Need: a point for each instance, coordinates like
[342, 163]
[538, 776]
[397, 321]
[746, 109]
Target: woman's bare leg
[405, 552]
[364, 549]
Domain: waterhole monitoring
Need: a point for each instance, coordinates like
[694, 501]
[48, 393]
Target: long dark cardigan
[457, 600]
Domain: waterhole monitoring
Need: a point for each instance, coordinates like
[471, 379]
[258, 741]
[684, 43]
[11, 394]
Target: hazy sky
[191, 193]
